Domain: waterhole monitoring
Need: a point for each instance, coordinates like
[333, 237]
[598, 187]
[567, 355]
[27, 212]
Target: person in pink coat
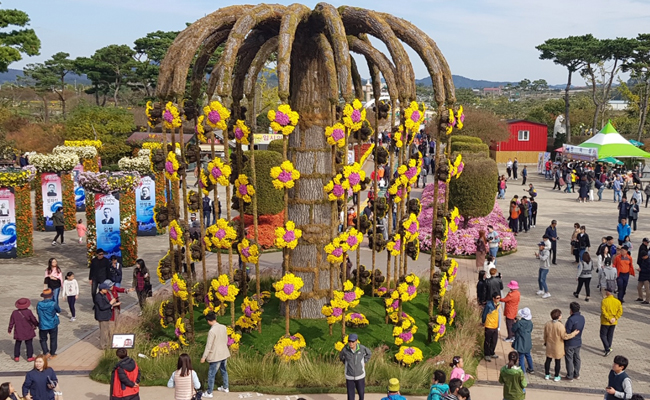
[457, 371]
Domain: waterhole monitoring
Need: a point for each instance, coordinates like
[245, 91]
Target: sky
[481, 39]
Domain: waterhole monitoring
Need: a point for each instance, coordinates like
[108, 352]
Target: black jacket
[494, 285]
[102, 307]
[642, 248]
[481, 292]
[644, 274]
[583, 241]
[99, 269]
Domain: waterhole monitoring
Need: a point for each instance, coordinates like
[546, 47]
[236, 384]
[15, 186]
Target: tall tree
[600, 69]
[539, 85]
[17, 41]
[109, 69]
[571, 53]
[149, 53]
[50, 77]
[638, 66]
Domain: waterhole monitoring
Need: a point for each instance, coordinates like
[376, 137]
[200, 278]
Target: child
[457, 371]
[512, 378]
[488, 265]
[24, 324]
[115, 272]
[71, 292]
[81, 230]
[438, 385]
[626, 242]
[510, 309]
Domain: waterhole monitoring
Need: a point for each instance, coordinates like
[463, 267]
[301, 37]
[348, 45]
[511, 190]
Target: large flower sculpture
[171, 166]
[409, 288]
[216, 115]
[288, 288]
[334, 310]
[335, 135]
[243, 189]
[176, 233]
[224, 290]
[241, 132]
[354, 175]
[284, 120]
[353, 115]
[335, 251]
[285, 175]
[290, 348]
[404, 331]
[409, 355]
[199, 129]
[249, 252]
[411, 228]
[234, 338]
[221, 235]
[350, 294]
[351, 239]
[287, 236]
[179, 287]
[163, 349]
[180, 331]
[394, 245]
[439, 328]
[171, 117]
[356, 320]
[219, 172]
[337, 188]
[414, 115]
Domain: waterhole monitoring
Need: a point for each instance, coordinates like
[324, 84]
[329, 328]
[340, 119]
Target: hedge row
[474, 191]
[270, 200]
[466, 139]
[469, 147]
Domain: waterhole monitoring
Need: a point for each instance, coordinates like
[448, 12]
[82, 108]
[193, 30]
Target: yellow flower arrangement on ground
[404, 331]
[409, 288]
[354, 175]
[176, 233]
[241, 132]
[353, 115]
[334, 310]
[164, 349]
[335, 135]
[290, 348]
[356, 320]
[350, 239]
[287, 236]
[341, 344]
[216, 115]
[350, 294]
[394, 245]
[285, 175]
[234, 338]
[284, 120]
[335, 252]
[243, 189]
[171, 166]
[224, 290]
[249, 252]
[337, 188]
[414, 115]
[219, 172]
[288, 288]
[408, 355]
[220, 235]
[180, 331]
[171, 116]
[439, 328]
[411, 228]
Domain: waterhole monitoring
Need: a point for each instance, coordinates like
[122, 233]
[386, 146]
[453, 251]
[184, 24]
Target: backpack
[206, 205]
[534, 193]
[610, 285]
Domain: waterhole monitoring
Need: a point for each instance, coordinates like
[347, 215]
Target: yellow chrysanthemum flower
[171, 117]
[219, 172]
[353, 115]
[243, 189]
[414, 115]
[335, 252]
[355, 175]
[394, 245]
[287, 236]
[216, 115]
[288, 288]
[336, 135]
[171, 166]
[284, 120]
[249, 252]
[285, 175]
[336, 188]
[242, 132]
[176, 233]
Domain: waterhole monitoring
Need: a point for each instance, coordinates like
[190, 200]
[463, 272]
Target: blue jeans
[206, 219]
[55, 295]
[621, 282]
[502, 194]
[541, 279]
[617, 195]
[580, 253]
[600, 192]
[212, 373]
[527, 357]
[493, 253]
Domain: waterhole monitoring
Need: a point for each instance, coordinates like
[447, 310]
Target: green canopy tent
[636, 143]
[611, 160]
[611, 144]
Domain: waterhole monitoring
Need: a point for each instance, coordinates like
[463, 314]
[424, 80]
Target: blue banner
[145, 201]
[107, 220]
[79, 192]
[52, 194]
[8, 237]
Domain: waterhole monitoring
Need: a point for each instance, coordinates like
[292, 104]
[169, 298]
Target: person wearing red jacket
[113, 294]
[511, 305]
[624, 265]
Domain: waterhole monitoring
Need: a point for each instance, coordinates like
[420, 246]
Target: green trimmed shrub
[275, 145]
[270, 200]
[466, 148]
[466, 139]
[473, 192]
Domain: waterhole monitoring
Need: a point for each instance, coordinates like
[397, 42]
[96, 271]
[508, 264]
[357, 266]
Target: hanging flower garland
[341, 344]
[171, 116]
[443, 285]
[350, 239]
[409, 355]
[356, 320]
[355, 176]
[397, 191]
[414, 115]
[220, 235]
[161, 313]
[164, 349]
[284, 120]
[451, 314]
[151, 120]
[199, 129]
[288, 288]
[180, 331]
[224, 290]
[350, 294]
[334, 251]
[404, 331]
[287, 236]
[334, 310]
[249, 252]
[290, 348]
[337, 188]
[176, 233]
[439, 328]
[335, 134]
[453, 271]
[179, 287]
[411, 228]
[460, 118]
[285, 175]
[219, 172]
[212, 302]
[234, 338]
[394, 245]
[243, 189]
[216, 115]
[397, 137]
[454, 220]
[242, 132]
[353, 115]
[171, 167]
[451, 122]
[409, 288]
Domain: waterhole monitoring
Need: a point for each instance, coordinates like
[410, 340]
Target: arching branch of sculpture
[262, 56]
[356, 80]
[380, 60]
[327, 54]
[201, 63]
[296, 14]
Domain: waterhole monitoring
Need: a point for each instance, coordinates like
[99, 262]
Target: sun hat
[524, 313]
[393, 385]
[353, 337]
[23, 303]
[109, 283]
[47, 294]
[514, 285]
[103, 286]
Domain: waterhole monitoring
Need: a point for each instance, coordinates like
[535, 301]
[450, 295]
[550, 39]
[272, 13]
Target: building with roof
[527, 140]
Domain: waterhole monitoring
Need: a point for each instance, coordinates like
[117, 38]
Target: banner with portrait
[145, 201]
[107, 220]
[52, 193]
[79, 192]
[8, 237]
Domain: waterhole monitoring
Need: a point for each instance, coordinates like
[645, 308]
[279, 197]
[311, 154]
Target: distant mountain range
[12, 74]
[462, 82]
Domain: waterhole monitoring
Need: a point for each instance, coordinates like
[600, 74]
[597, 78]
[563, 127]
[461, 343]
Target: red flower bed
[266, 225]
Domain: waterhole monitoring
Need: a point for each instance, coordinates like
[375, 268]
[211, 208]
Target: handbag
[197, 395]
[148, 289]
[561, 181]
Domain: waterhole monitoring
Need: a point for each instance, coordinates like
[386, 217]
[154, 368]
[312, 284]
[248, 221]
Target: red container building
[527, 140]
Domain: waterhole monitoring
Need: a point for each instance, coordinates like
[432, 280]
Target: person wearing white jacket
[70, 291]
